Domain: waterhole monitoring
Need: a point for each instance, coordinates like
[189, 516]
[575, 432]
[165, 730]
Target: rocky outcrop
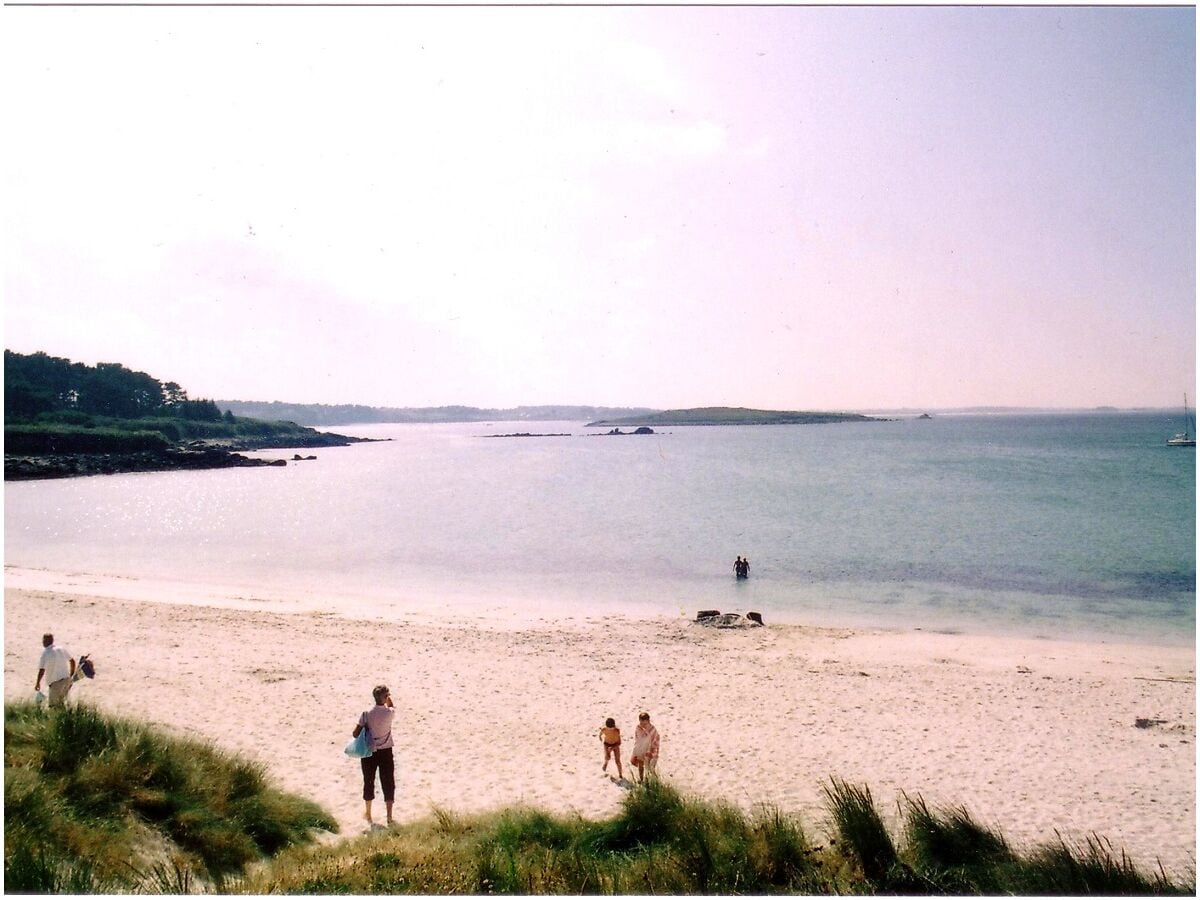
[26, 468]
[619, 433]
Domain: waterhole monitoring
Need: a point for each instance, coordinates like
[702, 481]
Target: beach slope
[1032, 736]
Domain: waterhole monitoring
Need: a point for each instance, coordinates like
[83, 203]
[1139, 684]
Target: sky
[774, 207]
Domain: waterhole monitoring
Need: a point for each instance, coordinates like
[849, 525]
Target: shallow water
[1054, 525]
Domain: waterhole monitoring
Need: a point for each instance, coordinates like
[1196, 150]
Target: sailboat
[1187, 437]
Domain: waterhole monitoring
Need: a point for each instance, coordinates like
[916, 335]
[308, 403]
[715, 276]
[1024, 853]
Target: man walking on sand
[58, 667]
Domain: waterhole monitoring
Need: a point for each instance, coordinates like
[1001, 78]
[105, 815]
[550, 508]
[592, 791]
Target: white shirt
[57, 663]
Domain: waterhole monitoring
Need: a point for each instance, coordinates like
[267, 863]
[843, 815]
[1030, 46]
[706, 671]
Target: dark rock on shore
[27, 468]
[618, 432]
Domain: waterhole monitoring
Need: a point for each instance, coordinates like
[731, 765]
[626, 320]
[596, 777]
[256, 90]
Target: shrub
[46, 439]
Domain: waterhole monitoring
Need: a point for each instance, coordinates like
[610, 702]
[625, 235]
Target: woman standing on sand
[378, 720]
[645, 748]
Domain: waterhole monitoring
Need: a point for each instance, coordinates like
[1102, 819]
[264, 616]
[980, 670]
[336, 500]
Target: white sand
[1032, 736]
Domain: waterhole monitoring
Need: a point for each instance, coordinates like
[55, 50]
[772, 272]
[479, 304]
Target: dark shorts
[383, 762]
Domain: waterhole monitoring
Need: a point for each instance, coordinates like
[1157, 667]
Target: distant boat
[1187, 437]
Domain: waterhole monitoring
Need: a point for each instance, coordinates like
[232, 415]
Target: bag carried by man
[85, 669]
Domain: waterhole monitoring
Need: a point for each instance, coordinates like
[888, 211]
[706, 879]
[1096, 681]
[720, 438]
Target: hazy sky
[829, 208]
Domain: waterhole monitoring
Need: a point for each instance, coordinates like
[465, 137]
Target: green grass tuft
[859, 828]
[1090, 867]
[780, 851]
[95, 799]
[952, 851]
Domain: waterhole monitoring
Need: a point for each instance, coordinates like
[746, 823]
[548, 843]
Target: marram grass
[91, 799]
[662, 843]
[145, 813]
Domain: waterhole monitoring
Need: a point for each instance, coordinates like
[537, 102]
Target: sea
[1068, 526]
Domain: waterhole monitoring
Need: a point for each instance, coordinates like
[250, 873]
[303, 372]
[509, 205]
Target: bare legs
[645, 766]
[615, 753]
[367, 812]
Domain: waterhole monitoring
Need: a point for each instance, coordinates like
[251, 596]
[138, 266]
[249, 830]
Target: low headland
[794, 759]
[64, 419]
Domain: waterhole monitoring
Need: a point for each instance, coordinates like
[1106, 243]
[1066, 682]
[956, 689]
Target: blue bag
[361, 746]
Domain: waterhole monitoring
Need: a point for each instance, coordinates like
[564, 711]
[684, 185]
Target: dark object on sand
[1149, 723]
[717, 619]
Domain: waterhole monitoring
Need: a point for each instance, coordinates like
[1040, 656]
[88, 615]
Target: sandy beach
[1032, 736]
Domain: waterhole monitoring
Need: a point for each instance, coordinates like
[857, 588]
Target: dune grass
[661, 843]
[657, 843]
[94, 803]
[100, 805]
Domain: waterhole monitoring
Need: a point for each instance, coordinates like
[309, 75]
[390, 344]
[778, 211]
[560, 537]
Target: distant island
[323, 415]
[320, 414]
[63, 418]
[727, 415]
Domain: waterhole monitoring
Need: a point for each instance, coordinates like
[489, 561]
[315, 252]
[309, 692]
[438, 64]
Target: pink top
[379, 720]
[645, 741]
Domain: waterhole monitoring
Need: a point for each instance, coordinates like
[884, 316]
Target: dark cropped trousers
[385, 763]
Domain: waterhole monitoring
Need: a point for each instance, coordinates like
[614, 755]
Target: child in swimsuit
[610, 736]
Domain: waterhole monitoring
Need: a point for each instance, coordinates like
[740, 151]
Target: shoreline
[476, 603]
[1031, 735]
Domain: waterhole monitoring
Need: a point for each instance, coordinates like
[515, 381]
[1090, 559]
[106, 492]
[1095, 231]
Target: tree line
[37, 384]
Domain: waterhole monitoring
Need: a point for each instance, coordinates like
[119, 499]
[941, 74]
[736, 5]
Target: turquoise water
[1054, 525]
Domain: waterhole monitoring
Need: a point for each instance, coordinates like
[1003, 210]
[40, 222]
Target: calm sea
[1050, 525]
